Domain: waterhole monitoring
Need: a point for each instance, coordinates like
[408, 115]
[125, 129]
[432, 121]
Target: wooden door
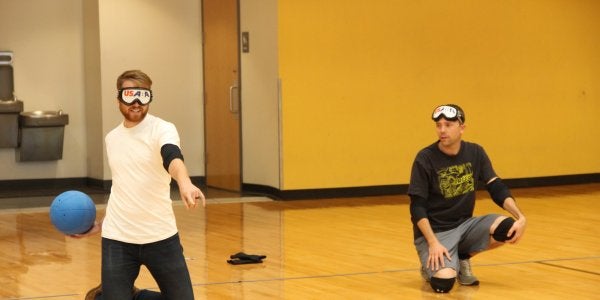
[221, 94]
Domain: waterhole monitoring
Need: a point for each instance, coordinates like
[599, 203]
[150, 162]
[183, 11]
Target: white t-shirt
[139, 209]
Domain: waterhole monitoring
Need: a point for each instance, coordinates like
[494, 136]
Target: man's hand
[190, 194]
[94, 230]
[518, 229]
[437, 251]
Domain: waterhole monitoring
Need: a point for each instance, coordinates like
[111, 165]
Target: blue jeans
[121, 263]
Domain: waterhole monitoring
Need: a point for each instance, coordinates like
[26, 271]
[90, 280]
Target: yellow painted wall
[360, 78]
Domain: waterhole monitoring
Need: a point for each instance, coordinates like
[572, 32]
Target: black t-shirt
[448, 183]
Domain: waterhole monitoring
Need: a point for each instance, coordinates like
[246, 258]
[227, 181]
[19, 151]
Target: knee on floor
[442, 285]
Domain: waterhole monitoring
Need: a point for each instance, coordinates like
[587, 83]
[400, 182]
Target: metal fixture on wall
[10, 107]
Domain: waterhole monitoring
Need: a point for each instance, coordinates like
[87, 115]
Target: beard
[133, 114]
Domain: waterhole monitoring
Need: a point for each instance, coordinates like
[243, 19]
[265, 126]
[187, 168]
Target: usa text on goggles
[131, 95]
[448, 112]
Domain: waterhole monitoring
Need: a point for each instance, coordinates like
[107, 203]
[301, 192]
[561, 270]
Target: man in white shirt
[139, 227]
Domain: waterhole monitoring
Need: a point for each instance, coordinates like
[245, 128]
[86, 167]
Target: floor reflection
[355, 248]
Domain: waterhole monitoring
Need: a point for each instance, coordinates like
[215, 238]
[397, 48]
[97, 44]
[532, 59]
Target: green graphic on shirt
[456, 180]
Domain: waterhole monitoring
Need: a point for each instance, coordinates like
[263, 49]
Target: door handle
[232, 107]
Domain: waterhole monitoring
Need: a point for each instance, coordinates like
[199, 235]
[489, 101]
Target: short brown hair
[134, 75]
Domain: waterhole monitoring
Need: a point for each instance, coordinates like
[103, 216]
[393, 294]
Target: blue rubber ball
[73, 212]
